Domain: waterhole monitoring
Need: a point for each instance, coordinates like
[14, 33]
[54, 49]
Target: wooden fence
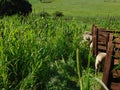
[108, 41]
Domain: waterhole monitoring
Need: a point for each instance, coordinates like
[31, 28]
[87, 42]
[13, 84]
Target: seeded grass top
[79, 7]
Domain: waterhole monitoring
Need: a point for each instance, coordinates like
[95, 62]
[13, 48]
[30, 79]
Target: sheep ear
[90, 33]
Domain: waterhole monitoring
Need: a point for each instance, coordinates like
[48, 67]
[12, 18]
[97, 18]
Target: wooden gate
[108, 41]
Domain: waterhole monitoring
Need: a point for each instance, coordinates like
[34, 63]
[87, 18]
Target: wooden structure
[109, 42]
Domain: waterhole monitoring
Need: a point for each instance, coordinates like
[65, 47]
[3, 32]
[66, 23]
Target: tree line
[11, 7]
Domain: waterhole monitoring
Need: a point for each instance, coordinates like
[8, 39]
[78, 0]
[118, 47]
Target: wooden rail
[109, 42]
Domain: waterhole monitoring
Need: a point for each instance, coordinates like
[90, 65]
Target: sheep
[99, 59]
[87, 36]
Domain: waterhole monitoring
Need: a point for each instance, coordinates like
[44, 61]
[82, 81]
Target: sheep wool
[91, 45]
[100, 57]
[87, 37]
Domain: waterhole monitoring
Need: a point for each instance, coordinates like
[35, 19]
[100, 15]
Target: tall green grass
[40, 54]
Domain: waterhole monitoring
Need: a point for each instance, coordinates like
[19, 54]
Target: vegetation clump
[46, 1]
[44, 14]
[58, 14]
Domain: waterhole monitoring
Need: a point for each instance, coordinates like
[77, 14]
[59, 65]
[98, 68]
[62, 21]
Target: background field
[82, 8]
[48, 53]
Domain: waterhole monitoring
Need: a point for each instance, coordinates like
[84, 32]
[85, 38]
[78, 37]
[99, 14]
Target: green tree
[11, 7]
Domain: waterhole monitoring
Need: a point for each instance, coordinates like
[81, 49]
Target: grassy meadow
[87, 8]
[46, 53]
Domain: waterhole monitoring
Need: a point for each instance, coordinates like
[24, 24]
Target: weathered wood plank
[102, 33]
[115, 86]
[102, 43]
[101, 39]
[116, 73]
[101, 47]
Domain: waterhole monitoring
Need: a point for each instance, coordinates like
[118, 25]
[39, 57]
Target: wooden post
[95, 39]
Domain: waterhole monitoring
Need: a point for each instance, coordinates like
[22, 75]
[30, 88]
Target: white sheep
[87, 37]
[99, 59]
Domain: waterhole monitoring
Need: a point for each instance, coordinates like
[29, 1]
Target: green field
[47, 53]
[87, 8]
